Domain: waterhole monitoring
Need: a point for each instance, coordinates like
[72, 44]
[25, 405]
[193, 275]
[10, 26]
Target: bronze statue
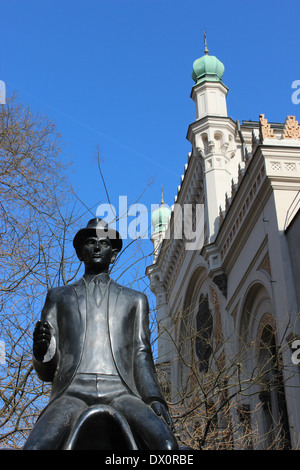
[93, 344]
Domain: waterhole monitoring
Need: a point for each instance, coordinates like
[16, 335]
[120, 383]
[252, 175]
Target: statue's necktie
[97, 291]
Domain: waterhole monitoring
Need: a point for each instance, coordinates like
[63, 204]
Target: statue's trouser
[56, 422]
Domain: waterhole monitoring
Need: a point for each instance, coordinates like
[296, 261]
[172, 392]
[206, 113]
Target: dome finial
[207, 68]
[161, 216]
[206, 51]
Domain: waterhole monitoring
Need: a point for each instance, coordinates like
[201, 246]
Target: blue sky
[118, 74]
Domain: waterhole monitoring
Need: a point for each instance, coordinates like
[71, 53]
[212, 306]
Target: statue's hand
[41, 339]
[161, 410]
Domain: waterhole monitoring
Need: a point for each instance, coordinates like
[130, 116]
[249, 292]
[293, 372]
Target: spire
[206, 51]
[207, 67]
[161, 216]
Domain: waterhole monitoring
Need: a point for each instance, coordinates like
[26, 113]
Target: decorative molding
[255, 142]
[282, 167]
[291, 128]
[266, 321]
[219, 338]
[276, 166]
[265, 131]
[244, 210]
[174, 265]
[234, 314]
[265, 265]
[221, 282]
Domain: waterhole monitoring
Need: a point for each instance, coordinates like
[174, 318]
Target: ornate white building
[228, 309]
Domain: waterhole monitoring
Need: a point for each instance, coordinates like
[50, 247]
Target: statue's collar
[103, 277]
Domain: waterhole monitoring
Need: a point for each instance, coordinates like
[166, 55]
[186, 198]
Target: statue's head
[97, 245]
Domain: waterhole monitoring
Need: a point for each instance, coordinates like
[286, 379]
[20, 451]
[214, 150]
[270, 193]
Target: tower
[160, 221]
[212, 136]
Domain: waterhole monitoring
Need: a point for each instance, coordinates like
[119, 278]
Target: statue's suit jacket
[128, 323]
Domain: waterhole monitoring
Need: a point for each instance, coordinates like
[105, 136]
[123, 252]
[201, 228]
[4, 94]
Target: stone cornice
[204, 84]
[242, 209]
[203, 123]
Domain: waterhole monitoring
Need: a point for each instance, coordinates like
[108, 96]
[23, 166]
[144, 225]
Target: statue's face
[96, 253]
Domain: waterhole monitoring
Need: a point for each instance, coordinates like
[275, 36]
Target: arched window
[261, 362]
[272, 394]
[195, 330]
[204, 327]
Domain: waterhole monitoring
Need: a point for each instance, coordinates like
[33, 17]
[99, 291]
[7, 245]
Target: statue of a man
[93, 344]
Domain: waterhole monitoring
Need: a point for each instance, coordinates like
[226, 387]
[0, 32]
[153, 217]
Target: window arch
[272, 395]
[261, 362]
[204, 328]
[196, 326]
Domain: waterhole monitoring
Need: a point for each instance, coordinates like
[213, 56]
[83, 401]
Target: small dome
[160, 218]
[207, 68]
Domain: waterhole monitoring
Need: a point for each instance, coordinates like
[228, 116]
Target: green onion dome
[207, 68]
[160, 217]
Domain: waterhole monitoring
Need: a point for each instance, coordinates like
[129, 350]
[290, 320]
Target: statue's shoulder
[55, 293]
[129, 293]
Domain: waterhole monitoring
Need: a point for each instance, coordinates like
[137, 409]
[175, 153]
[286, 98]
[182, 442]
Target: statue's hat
[99, 228]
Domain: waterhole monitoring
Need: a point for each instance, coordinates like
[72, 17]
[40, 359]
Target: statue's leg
[150, 431]
[55, 424]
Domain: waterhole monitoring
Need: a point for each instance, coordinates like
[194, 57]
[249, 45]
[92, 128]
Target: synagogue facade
[228, 304]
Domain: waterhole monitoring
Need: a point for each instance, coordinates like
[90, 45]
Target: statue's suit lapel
[113, 298]
[81, 294]
[80, 290]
